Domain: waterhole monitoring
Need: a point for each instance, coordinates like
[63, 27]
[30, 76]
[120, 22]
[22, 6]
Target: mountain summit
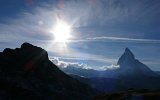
[127, 56]
[26, 73]
[129, 65]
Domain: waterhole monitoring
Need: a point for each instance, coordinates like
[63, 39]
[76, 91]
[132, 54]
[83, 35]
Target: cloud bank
[62, 64]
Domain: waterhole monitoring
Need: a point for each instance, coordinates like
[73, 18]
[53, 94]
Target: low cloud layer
[62, 64]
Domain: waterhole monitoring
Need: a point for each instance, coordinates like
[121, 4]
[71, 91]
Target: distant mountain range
[26, 73]
[131, 74]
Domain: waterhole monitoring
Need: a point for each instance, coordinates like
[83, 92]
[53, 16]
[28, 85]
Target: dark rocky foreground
[26, 73]
[142, 94]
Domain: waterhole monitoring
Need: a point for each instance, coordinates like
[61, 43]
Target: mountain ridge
[27, 73]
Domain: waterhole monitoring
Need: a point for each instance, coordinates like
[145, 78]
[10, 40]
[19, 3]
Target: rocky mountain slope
[26, 73]
[130, 94]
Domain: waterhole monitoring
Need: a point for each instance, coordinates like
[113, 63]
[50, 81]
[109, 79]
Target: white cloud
[112, 66]
[62, 64]
[59, 63]
[78, 65]
[102, 38]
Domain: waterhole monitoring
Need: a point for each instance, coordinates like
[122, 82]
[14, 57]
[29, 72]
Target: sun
[62, 32]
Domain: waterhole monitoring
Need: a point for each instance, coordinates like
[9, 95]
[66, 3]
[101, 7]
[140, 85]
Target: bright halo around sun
[62, 32]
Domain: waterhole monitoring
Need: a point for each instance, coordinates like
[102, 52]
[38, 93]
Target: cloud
[62, 64]
[36, 24]
[119, 39]
[112, 66]
[122, 39]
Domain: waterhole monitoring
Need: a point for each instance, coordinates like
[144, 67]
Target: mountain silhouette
[134, 74]
[127, 55]
[129, 65]
[130, 74]
[26, 73]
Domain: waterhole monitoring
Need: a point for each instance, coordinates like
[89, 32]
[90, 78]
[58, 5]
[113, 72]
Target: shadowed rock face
[23, 59]
[142, 94]
[27, 73]
[127, 56]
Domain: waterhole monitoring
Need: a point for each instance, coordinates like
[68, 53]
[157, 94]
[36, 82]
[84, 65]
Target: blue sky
[101, 29]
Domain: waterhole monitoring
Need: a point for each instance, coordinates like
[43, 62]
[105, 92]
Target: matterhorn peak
[127, 50]
[127, 56]
[128, 53]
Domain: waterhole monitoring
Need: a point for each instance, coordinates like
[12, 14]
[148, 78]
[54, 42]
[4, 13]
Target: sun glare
[61, 32]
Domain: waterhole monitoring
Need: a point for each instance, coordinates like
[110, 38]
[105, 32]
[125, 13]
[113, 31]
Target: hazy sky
[101, 29]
